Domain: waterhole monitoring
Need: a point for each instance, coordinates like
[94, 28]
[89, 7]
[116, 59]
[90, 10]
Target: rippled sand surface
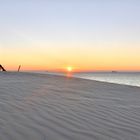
[47, 107]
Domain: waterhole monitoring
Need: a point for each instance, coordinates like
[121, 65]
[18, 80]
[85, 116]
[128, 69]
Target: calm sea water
[126, 78]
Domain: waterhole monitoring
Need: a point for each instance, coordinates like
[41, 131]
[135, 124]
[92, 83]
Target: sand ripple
[44, 107]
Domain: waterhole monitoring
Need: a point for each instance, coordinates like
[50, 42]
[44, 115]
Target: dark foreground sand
[46, 107]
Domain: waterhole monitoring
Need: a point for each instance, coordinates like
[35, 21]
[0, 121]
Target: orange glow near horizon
[82, 57]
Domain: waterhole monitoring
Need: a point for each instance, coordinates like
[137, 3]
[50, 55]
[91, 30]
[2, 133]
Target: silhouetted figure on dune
[2, 68]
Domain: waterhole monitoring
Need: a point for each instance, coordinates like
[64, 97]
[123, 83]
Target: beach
[49, 107]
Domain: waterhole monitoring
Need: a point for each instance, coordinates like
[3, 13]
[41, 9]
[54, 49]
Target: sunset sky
[82, 34]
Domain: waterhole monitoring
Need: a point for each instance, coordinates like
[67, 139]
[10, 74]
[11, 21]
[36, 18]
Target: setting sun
[69, 69]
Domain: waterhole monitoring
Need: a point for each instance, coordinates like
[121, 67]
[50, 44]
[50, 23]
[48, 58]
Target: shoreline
[84, 78]
[73, 77]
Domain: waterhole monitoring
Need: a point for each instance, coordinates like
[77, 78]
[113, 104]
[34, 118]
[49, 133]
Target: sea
[124, 78]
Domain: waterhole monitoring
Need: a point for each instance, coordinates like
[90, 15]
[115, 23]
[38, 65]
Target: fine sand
[47, 107]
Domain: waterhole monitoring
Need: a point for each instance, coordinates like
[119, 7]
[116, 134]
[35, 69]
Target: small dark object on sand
[2, 68]
[19, 68]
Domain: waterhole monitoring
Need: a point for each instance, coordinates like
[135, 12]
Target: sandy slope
[45, 107]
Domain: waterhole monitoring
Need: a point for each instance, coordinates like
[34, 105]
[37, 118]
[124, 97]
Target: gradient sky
[84, 34]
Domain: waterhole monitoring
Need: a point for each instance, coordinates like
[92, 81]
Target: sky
[87, 35]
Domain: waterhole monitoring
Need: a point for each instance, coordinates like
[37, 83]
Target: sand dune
[47, 107]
